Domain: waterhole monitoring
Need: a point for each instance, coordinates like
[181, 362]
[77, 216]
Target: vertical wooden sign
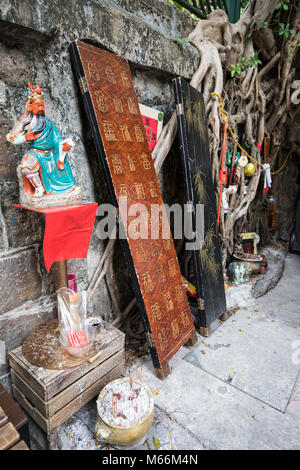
[122, 147]
[196, 164]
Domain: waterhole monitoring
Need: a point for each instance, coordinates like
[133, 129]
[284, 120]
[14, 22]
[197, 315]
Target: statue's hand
[66, 147]
[60, 165]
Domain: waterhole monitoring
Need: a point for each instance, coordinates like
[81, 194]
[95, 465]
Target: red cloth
[68, 231]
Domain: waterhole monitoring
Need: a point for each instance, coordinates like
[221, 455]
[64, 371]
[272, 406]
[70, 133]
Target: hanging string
[224, 117]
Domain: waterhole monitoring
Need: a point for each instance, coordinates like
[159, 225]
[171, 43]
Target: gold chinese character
[131, 163]
[168, 301]
[133, 227]
[161, 273]
[155, 312]
[146, 162]
[101, 102]
[179, 295]
[163, 340]
[185, 318]
[123, 192]
[140, 252]
[110, 76]
[175, 329]
[172, 267]
[93, 71]
[117, 165]
[152, 187]
[147, 282]
[118, 104]
[139, 190]
[166, 244]
[131, 105]
[125, 79]
[154, 249]
[125, 132]
[109, 131]
[146, 218]
[138, 133]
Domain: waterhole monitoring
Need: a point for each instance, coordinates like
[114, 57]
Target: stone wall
[35, 35]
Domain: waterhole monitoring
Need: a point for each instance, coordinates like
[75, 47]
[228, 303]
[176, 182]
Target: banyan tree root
[256, 104]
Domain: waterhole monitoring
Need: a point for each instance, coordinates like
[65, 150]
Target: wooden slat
[52, 406]
[49, 424]
[48, 383]
[8, 436]
[20, 446]
[3, 417]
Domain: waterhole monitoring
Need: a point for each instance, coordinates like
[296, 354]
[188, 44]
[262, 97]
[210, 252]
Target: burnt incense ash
[124, 403]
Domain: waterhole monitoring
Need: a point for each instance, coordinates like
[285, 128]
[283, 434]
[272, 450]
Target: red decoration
[151, 126]
[68, 231]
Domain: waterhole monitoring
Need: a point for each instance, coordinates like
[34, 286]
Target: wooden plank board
[47, 383]
[20, 446]
[199, 189]
[8, 436]
[3, 417]
[49, 408]
[112, 109]
[49, 424]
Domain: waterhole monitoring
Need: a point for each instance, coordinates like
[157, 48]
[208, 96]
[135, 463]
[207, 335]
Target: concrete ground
[238, 389]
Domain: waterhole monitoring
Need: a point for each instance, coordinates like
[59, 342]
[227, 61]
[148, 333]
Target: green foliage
[244, 64]
[265, 24]
[284, 30]
[181, 41]
[284, 4]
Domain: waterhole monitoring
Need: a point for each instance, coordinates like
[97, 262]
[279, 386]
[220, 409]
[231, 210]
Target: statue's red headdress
[33, 94]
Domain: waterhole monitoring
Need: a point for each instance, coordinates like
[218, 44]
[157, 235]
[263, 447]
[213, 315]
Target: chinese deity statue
[45, 176]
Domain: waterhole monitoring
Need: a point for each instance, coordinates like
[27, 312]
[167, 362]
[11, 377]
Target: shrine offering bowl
[255, 261]
[125, 413]
[83, 350]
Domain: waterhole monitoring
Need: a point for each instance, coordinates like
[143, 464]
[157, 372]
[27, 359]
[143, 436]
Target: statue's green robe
[54, 180]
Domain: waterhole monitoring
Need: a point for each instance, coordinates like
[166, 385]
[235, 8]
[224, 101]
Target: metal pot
[123, 436]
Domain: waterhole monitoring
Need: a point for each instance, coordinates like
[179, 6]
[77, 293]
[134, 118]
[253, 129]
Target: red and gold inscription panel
[120, 138]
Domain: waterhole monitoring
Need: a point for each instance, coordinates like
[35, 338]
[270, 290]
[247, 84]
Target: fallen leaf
[203, 352]
[156, 392]
[156, 443]
[170, 418]
[241, 331]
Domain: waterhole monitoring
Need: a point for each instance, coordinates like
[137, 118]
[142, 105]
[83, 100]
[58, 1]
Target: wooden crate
[50, 397]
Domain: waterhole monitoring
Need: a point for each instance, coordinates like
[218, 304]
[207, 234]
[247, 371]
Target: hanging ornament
[243, 161]
[249, 170]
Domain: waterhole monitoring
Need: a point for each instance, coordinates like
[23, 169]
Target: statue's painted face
[37, 107]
